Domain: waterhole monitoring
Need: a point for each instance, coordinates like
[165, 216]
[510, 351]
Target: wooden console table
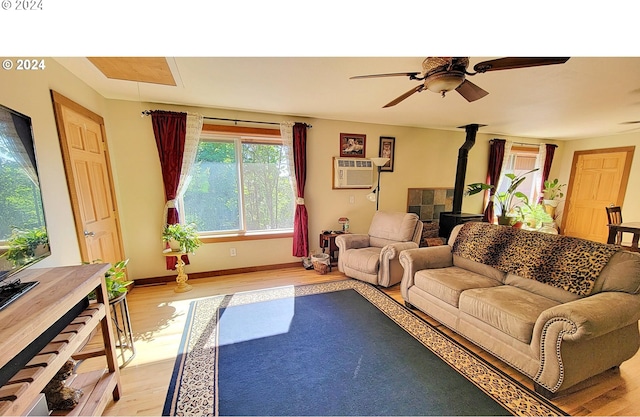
[60, 293]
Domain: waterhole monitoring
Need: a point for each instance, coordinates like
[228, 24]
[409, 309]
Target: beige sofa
[558, 309]
[373, 257]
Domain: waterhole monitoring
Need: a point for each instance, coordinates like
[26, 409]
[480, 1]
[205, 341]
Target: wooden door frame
[623, 182]
[58, 101]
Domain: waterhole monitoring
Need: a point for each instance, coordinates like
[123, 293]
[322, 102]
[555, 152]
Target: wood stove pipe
[461, 170]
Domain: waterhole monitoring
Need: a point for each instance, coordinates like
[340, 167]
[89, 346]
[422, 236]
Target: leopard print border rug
[193, 386]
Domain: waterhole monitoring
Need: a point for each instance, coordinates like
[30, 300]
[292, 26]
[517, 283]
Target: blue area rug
[342, 348]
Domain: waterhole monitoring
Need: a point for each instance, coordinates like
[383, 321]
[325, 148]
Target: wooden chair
[614, 216]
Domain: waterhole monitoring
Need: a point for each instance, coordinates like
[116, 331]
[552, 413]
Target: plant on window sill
[504, 199]
[533, 215]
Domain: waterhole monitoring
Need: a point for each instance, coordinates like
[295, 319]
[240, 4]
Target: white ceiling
[585, 97]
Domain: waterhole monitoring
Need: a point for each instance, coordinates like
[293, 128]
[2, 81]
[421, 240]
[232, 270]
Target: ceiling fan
[442, 75]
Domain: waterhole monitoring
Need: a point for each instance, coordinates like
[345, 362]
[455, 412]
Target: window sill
[240, 237]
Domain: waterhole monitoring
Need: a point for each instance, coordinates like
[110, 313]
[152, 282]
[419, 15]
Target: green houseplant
[24, 245]
[181, 237]
[503, 199]
[533, 215]
[115, 278]
[551, 194]
[553, 190]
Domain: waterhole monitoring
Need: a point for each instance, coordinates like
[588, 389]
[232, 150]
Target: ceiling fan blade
[515, 62]
[470, 91]
[417, 89]
[394, 74]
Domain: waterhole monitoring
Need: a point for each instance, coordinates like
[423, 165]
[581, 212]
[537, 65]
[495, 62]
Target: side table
[122, 329]
[328, 241]
[182, 278]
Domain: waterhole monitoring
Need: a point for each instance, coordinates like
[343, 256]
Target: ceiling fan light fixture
[444, 81]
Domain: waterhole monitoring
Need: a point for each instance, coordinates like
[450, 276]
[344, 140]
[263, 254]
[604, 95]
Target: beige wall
[29, 92]
[631, 204]
[424, 158]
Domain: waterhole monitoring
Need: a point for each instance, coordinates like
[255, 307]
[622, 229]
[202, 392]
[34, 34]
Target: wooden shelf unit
[22, 322]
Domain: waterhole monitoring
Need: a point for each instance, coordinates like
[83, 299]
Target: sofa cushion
[365, 260]
[392, 227]
[536, 287]
[511, 310]
[447, 284]
[621, 274]
[479, 268]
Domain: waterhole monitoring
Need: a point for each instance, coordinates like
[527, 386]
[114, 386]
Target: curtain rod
[148, 112]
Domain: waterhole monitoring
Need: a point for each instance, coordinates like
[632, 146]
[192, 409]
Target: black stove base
[449, 220]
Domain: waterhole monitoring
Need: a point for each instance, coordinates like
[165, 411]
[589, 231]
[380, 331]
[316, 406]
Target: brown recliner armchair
[374, 257]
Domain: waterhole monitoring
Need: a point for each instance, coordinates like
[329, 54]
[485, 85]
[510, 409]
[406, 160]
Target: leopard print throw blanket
[565, 262]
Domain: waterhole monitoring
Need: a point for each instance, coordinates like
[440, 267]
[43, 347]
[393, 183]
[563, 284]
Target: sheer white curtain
[191, 141]
[537, 176]
[286, 133]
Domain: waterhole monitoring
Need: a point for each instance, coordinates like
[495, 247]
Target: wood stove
[448, 220]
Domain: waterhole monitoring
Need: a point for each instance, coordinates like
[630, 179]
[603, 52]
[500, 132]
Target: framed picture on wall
[352, 145]
[387, 150]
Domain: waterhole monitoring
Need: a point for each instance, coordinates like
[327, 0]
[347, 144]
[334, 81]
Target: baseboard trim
[196, 275]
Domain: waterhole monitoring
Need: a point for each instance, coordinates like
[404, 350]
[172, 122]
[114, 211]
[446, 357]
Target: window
[239, 184]
[519, 160]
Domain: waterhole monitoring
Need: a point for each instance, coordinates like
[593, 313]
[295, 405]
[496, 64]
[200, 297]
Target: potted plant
[25, 245]
[553, 190]
[551, 194]
[181, 237]
[116, 280]
[533, 215]
[504, 199]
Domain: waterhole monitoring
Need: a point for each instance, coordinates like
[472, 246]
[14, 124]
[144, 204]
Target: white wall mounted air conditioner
[352, 173]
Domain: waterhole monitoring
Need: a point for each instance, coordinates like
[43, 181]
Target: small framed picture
[387, 150]
[352, 145]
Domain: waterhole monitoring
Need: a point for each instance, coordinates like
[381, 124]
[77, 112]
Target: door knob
[87, 234]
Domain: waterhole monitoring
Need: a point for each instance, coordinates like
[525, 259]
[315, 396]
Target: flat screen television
[23, 232]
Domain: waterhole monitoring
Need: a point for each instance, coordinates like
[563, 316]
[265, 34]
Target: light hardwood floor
[158, 316]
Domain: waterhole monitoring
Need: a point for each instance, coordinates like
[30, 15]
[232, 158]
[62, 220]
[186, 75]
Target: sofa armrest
[348, 241]
[414, 260]
[607, 321]
[592, 316]
[390, 271]
[393, 250]
[351, 241]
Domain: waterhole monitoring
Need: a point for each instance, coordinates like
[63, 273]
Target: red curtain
[496, 156]
[301, 218]
[170, 130]
[550, 149]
